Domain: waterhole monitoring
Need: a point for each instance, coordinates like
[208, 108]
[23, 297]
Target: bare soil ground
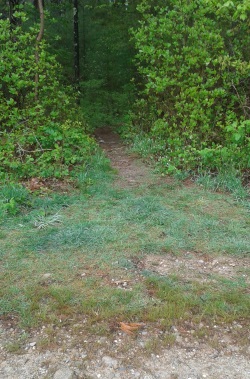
[132, 172]
[195, 266]
[190, 352]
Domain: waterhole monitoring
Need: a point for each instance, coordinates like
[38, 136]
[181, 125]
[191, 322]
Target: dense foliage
[39, 136]
[193, 58]
[187, 64]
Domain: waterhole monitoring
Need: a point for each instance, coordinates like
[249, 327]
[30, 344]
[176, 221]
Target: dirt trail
[121, 356]
[131, 170]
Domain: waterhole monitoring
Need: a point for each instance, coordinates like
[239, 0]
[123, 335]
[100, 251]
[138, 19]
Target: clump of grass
[14, 347]
[88, 235]
[12, 198]
[147, 147]
[42, 222]
[54, 202]
[109, 302]
[14, 191]
[227, 180]
[214, 303]
[155, 344]
[97, 175]
[2, 235]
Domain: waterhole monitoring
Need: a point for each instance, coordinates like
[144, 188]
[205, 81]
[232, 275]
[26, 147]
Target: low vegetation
[74, 245]
[83, 253]
[41, 132]
[193, 61]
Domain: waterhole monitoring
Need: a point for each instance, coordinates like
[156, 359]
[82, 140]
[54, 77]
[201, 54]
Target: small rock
[33, 344]
[174, 329]
[64, 373]
[110, 362]
[178, 338]
[47, 276]
[239, 326]
[136, 374]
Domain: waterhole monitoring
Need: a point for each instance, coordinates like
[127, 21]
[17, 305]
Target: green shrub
[193, 59]
[38, 134]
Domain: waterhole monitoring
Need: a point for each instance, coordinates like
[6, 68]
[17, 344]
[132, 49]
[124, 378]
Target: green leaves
[193, 60]
[36, 138]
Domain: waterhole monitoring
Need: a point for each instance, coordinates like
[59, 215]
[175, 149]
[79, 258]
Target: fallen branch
[21, 149]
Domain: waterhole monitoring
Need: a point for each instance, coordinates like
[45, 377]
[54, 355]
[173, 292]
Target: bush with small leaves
[39, 131]
[193, 59]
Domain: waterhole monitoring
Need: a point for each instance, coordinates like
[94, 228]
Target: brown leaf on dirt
[34, 184]
[130, 327]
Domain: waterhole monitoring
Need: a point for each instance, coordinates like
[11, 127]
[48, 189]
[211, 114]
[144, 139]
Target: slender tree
[13, 4]
[38, 40]
[76, 42]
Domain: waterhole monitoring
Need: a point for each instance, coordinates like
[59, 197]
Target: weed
[2, 235]
[14, 191]
[43, 222]
[14, 347]
[146, 146]
[44, 343]
[97, 174]
[12, 197]
[152, 345]
[168, 339]
[201, 333]
[100, 329]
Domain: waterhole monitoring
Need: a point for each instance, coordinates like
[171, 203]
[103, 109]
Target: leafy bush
[193, 58]
[38, 136]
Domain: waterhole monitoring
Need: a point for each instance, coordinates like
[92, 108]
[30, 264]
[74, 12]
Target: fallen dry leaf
[34, 184]
[130, 327]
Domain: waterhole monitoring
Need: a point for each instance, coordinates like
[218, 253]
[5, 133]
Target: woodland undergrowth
[194, 74]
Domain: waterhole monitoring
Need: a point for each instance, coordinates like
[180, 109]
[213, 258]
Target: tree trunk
[76, 44]
[38, 40]
[12, 8]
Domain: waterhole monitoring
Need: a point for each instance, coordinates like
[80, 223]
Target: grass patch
[77, 267]
[227, 180]
[220, 302]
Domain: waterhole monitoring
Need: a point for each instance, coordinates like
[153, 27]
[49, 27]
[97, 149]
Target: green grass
[103, 237]
[228, 180]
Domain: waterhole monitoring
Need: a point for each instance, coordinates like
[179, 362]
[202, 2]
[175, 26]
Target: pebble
[136, 374]
[178, 339]
[64, 373]
[110, 362]
[47, 275]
